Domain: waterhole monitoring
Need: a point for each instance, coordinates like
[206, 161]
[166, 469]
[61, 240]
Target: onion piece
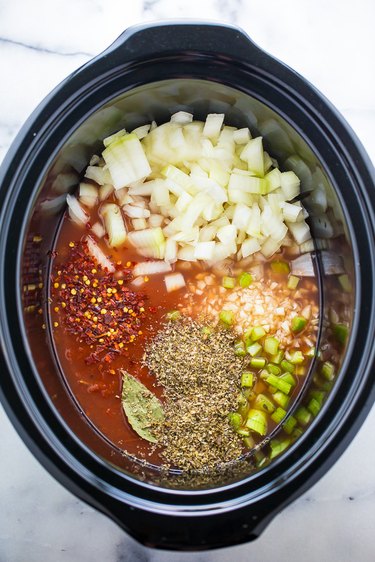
[105, 191]
[213, 124]
[182, 117]
[302, 266]
[114, 224]
[126, 161]
[139, 224]
[241, 136]
[174, 281]
[88, 194]
[151, 268]
[98, 229]
[171, 249]
[100, 175]
[142, 131]
[300, 231]
[156, 220]
[135, 212]
[204, 250]
[99, 255]
[76, 213]
[253, 155]
[149, 242]
[112, 138]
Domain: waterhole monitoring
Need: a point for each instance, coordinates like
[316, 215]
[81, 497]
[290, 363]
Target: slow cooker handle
[152, 40]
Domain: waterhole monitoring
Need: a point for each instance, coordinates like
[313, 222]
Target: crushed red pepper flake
[94, 307]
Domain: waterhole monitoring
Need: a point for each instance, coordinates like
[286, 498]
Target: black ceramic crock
[149, 73]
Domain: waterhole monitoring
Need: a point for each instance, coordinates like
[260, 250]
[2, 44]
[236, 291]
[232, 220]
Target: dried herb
[142, 408]
[200, 374]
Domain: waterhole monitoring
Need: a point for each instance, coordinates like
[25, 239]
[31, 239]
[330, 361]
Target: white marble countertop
[331, 44]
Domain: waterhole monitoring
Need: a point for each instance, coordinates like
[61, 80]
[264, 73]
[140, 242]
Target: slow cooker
[147, 74]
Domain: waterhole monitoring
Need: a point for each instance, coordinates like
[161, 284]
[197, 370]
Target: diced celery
[313, 407]
[328, 371]
[235, 420]
[278, 383]
[298, 431]
[247, 379]
[287, 366]
[254, 349]
[257, 332]
[278, 357]
[257, 421]
[298, 324]
[345, 283]
[281, 399]
[226, 317]
[318, 395]
[280, 267]
[271, 346]
[289, 425]
[277, 447]
[243, 431]
[303, 416]
[245, 280]
[296, 357]
[340, 331]
[257, 362]
[229, 282]
[273, 369]
[239, 348]
[278, 415]
[264, 403]
[293, 282]
[288, 377]
[248, 442]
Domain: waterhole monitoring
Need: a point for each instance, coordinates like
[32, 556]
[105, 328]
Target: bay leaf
[142, 408]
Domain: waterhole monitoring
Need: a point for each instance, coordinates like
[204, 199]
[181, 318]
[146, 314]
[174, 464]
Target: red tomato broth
[97, 387]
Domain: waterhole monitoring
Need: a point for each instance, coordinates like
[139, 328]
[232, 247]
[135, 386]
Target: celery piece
[278, 357]
[293, 282]
[281, 399]
[247, 379]
[257, 362]
[277, 447]
[328, 371]
[313, 406]
[278, 415]
[288, 377]
[311, 352]
[173, 315]
[278, 383]
[226, 317]
[318, 395]
[235, 420]
[239, 348]
[289, 425]
[229, 282]
[280, 267]
[345, 283]
[271, 345]
[254, 349]
[257, 332]
[298, 324]
[296, 357]
[243, 431]
[264, 403]
[257, 421]
[248, 442]
[273, 369]
[245, 279]
[340, 331]
[298, 431]
[303, 416]
[287, 366]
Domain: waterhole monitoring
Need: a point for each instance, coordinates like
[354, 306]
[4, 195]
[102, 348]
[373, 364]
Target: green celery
[257, 362]
[273, 369]
[257, 332]
[289, 425]
[328, 371]
[271, 345]
[239, 348]
[296, 357]
[288, 377]
[247, 379]
[278, 415]
[277, 447]
[280, 267]
[264, 403]
[278, 383]
[287, 366]
[229, 282]
[245, 280]
[341, 332]
[254, 349]
[298, 324]
[226, 317]
[235, 420]
[313, 406]
[281, 399]
[257, 421]
[303, 415]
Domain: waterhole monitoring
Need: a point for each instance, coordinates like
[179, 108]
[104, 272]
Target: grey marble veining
[331, 44]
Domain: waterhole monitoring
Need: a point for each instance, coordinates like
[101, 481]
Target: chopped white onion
[98, 229]
[76, 213]
[151, 268]
[99, 255]
[114, 224]
[174, 281]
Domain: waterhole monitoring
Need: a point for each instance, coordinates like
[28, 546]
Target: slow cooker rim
[173, 491]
